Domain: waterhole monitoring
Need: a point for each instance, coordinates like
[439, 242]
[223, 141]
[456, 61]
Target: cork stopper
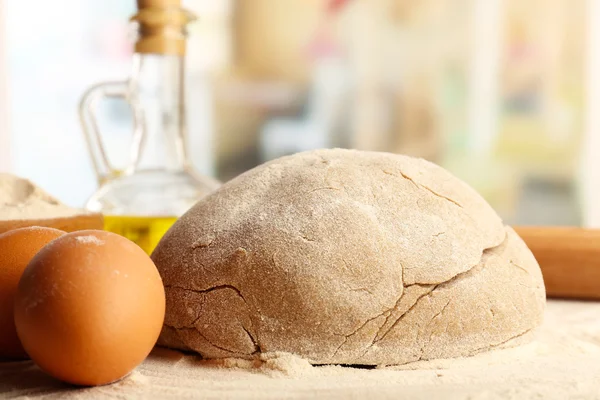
[161, 27]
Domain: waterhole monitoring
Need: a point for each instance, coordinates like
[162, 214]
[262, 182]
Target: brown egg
[89, 307]
[17, 248]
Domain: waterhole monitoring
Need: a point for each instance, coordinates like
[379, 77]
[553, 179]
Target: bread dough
[347, 257]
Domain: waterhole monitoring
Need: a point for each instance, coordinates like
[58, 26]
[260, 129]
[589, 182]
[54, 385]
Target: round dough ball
[89, 307]
[17, 248]
[350, 257]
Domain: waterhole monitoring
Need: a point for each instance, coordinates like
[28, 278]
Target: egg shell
[89, 307]
[17, 248]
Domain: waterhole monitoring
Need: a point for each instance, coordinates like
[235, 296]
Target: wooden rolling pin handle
[569, 259]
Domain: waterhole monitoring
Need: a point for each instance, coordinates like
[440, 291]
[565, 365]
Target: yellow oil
[145, 231]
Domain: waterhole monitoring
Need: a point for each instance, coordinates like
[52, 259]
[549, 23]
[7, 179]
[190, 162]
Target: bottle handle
[89, 122]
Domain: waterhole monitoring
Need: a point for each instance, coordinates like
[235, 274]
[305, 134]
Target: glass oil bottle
[144, 198]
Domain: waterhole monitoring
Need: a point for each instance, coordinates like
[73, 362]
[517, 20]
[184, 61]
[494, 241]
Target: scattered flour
[561, 363]
[89, 239]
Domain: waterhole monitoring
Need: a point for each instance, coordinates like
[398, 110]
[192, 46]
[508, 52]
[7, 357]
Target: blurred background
[503, 93]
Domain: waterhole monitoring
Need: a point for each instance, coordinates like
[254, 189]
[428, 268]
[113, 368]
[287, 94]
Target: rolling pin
[569, 258]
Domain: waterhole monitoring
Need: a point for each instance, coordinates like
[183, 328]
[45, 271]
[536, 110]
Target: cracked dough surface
[347, 257]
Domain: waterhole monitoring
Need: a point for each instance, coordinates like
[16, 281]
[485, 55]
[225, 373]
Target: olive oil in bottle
[145, 231]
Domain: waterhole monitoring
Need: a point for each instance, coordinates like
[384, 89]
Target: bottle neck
[157, 95]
